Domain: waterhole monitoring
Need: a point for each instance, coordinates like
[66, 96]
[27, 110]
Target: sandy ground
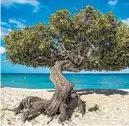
[113, 105]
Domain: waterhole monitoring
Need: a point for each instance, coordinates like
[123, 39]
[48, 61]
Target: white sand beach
[113, 105]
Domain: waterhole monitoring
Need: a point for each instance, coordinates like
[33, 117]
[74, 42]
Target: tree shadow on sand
[100, 91]
[72, 106]
[106, 92]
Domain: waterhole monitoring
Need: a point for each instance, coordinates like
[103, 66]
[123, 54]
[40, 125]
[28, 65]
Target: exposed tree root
[37, 106]
[64, 95]
[29, 102]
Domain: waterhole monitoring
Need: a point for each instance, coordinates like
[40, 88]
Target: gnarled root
[64, 94]
[36, 106]
[27, 103]
[32, 113]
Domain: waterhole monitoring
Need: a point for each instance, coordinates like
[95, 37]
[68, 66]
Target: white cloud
[36, 9]
[112, 2]
[6, 27]
[22, 20]
[18, 23]
[2, 50]
[34, 3]
[4, 23]
[126, 21]
[4, 31]
[10, 2]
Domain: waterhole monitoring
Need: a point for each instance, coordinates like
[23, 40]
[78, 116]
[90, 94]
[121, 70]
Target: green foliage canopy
[98, 40]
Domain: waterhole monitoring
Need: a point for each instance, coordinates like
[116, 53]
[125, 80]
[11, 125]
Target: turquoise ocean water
[81, 81]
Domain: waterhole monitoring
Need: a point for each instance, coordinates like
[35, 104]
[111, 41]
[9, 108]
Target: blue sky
[15, 14]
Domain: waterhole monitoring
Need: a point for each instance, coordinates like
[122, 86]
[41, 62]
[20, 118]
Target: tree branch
[61, 44]
[73, 69]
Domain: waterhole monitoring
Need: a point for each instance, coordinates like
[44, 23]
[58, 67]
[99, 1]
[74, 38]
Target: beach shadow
[100, 91]
[72, 106]
[106, 92]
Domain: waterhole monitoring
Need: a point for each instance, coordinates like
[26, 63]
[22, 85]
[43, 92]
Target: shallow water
[81, 81]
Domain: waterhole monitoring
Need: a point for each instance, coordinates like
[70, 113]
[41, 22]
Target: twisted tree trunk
[58, 104]
[62, 91]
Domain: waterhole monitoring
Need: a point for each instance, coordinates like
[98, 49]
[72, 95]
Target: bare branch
[89, 52]
[93, 47]
[73, 70]
[61, 44]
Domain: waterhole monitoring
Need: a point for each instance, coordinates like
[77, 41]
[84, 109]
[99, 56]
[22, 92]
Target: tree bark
[62, 88]
[58, 103]
[63, 92]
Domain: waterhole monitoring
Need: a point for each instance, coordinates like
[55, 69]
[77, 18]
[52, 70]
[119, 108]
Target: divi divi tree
[88, 40]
